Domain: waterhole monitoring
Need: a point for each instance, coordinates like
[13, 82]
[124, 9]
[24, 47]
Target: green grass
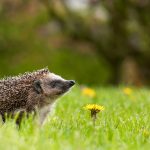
[125, 124]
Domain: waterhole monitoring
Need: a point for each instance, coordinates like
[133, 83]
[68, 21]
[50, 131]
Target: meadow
[123, 125]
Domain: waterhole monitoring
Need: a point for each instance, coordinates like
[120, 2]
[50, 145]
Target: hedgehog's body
[35, 91]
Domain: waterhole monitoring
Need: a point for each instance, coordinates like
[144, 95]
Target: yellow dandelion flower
[89, 92]
[127, 91]
[94, 108]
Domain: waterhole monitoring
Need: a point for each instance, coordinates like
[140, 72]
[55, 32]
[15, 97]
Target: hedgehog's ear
[37, 86]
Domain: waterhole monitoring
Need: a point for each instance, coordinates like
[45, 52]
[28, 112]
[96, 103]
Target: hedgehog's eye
[56, 83]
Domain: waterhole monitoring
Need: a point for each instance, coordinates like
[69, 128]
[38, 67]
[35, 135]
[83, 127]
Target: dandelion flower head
[127, 91]
[94, 107]
[89, 92]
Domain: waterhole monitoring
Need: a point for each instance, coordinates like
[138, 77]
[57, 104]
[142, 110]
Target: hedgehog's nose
[71, 82]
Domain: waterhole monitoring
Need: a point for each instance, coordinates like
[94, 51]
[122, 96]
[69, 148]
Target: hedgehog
[30, 92]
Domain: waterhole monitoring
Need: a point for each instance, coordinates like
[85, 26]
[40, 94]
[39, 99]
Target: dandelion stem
[93, 116]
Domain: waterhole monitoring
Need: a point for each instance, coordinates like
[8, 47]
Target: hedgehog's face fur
[52, 86]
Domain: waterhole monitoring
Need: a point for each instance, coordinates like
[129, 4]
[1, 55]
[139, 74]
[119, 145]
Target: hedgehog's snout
[71, 83]
[67, 85]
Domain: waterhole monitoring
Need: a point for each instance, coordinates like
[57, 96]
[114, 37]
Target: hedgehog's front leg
[43, 113]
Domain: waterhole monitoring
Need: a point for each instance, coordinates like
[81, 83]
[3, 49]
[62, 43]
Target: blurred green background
[95, 42]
